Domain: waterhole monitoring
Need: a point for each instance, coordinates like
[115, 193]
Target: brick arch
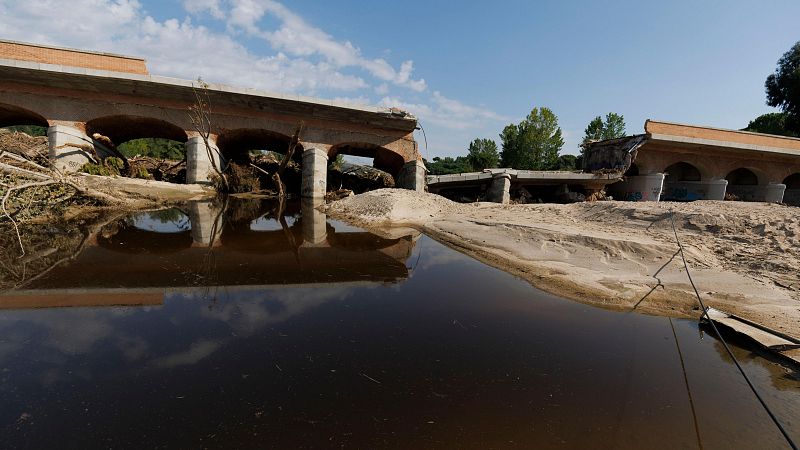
[383, 158]
[792, 181]
[683, 171]
[234, 144]
[123, 128]
[14, 115]
[743, 176]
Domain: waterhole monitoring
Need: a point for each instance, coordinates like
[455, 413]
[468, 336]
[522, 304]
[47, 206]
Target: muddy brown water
[300, 333]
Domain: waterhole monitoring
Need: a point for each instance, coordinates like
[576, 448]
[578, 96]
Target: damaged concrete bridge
[79, 95]
[673, 161]
[497, 185]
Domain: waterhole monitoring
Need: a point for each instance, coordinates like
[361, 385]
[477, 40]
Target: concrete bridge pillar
[206, 221]
[69, 148]
[315, 173]
[716, 189]
[412, 176]
[314, 222]
[199, 164]
[773, 192]
[644, 188]
[500, 189]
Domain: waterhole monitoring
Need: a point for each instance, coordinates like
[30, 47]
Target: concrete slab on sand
[779, 343]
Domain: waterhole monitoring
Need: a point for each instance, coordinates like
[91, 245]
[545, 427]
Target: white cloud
[201, 6]
[298, 38]
[446, 112]
[353, 101]
[382, 89]
[197, 352]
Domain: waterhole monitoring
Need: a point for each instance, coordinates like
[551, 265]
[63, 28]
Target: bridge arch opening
[14, 118]
[121, 129]
[383, 159]
[153, 232]
[682, 182]
[143, 136]
[241, 144]
[682, 171]
[743, 184]
[742, 177]
[242, 147]
[791, 196]
[792, 181]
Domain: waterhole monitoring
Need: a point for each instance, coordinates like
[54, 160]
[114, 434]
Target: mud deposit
[236, 326]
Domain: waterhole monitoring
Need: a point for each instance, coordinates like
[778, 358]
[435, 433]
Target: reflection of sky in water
[459, 351]
[267, 223]
[344, 227]
[171, 220]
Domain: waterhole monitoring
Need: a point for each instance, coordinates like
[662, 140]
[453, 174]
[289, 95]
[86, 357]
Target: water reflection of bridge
[135, 261]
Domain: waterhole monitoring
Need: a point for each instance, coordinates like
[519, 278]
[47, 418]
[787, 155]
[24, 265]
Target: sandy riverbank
[744, 257]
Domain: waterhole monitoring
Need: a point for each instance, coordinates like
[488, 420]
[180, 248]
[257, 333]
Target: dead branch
[200, 116]
[276, 177]
[259, 169]
[6, 168]
[21, 159]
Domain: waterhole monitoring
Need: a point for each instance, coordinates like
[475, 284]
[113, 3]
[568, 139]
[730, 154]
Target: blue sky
[465, 69]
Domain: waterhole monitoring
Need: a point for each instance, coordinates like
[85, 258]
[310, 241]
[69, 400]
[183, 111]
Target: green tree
[599, 130]
[567, 162]
[594, 131]
[483, 154]
[614, 126]
[783, 87]
[534, 143]
[448, 165]
[31, 130]
[770, 123]
[155, 147]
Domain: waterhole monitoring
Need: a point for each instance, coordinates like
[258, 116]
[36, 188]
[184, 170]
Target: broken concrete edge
[754, 332]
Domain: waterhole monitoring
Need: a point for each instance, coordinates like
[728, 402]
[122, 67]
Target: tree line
[535, 143]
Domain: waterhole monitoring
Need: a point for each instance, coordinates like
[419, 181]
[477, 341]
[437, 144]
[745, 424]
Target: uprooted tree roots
[29, 187]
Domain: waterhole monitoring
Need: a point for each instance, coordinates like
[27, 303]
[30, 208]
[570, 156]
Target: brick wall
[74, 58]
[693, 131]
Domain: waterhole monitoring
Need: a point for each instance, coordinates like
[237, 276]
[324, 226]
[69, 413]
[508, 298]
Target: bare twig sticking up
[200, 115]
[276, 177]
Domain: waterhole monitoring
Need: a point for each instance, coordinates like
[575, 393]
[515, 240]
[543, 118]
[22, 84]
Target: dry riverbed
[744, 257]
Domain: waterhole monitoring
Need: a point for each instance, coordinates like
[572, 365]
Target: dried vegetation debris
[28, 187]
[358, 178]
